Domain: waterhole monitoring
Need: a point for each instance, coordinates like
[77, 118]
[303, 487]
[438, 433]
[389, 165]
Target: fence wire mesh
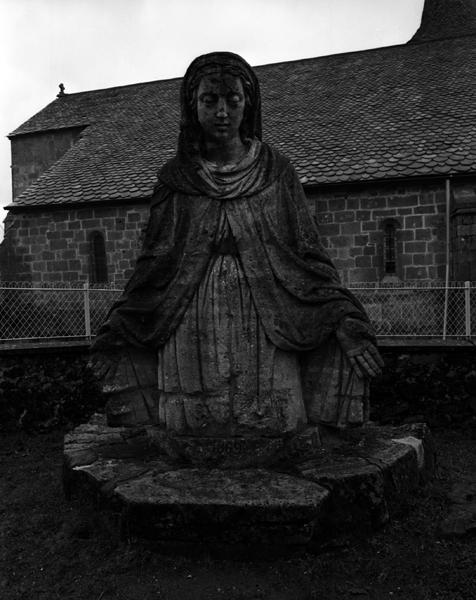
[53, 312]
[417, 311]
[35, 313]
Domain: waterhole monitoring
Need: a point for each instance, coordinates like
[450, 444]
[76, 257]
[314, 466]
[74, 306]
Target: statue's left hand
[104, 366]
[360, 350]
[366, 360]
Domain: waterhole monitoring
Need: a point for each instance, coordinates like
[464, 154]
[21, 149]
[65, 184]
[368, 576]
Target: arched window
[98, 258]
[390, 248]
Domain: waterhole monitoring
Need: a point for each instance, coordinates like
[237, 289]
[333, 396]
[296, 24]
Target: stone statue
[234, 325]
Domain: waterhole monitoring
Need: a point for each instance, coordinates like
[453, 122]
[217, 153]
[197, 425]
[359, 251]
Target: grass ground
[51, 549]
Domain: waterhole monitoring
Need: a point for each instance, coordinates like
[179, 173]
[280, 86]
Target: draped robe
[255, 213]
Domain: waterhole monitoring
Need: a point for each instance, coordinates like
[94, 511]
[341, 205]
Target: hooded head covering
[190, 131]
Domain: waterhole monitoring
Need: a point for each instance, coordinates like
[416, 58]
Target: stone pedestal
[236, 452]
[308, 497]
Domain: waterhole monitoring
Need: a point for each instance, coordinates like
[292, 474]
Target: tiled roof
[446, 18]
[401, 111]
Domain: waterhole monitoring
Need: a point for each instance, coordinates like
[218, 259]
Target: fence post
[467, 308]
[445, 310]
[87, 311]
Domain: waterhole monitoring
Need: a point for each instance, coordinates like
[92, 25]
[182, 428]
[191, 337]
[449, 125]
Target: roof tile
[402, 111]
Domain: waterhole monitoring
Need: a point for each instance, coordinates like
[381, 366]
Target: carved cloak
[294, 285]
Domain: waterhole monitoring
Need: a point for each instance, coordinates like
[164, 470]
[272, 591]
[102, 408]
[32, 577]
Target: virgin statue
[234, 323]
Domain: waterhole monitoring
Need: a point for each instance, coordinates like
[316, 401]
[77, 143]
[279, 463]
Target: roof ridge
[260, 66]
[441, 39]
[116, 87]
[263, 65]
[392, 112]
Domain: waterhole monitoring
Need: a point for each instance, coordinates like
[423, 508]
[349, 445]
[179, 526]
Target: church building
[383, 140]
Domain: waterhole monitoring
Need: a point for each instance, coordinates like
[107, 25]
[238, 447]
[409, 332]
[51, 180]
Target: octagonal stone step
[347, 485]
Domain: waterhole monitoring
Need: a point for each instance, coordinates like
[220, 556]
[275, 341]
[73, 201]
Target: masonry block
[374, 203]
[363, 261]
[344, 263]
[422, 259]
[58, 244]
[344, 216]
[350, 223]
[433, 221]
[399, 201]
[410, 247]
[384, 213]
[337, 204]
[369, 226]
[363, 274]
[416, 273]
[363, 215]
[423, 234]
[341, 241]
[414, 222]
[349, 228]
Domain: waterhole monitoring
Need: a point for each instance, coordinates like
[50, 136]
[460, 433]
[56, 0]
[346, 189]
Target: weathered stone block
[336, 204]
[344, 216]
[373, 203]
[396, 202]
[422, 259]
[379, 214]
[347, 485]
[353, 227]
[411, 247]
[363, 215]
[363, 261]
[352, 203]
[414, 222]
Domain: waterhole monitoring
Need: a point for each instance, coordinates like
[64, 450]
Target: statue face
[220, 106]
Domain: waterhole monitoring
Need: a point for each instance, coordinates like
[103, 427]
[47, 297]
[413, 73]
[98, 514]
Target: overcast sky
[91, 44]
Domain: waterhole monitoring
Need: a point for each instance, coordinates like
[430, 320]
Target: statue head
[226, 67]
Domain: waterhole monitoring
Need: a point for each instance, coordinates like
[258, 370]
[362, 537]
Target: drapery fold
[295, 288]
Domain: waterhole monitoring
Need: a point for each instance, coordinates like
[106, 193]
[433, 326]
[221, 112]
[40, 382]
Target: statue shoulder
[278, 163]
[169, 172]
[273, 155]
[160, 194]
[180, 176]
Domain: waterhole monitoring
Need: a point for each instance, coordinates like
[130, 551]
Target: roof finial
[61, 92]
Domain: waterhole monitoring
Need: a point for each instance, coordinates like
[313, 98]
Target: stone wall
[54, 244]
[33, 153]
[352, 222]
[43, 246]
[464, 244]
[464, 232]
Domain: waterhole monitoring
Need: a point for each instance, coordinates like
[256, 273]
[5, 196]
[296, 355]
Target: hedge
[46, 392]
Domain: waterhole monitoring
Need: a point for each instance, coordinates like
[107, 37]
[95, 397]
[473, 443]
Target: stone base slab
[235, 452]
[348, 485]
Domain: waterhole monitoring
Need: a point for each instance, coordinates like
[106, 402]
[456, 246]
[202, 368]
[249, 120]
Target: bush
[41, 393]
[439, 389]
[44, 392]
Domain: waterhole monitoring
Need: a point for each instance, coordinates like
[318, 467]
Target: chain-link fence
[432, 310]
[30, 313]
[52, 312]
